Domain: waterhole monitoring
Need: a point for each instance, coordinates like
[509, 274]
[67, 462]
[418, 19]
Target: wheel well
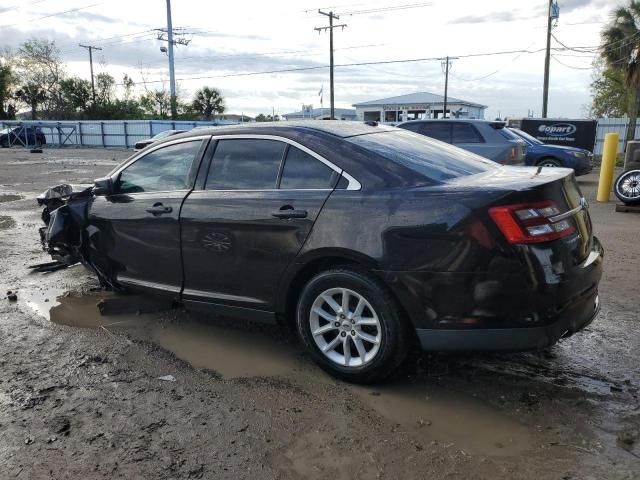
[548, 157]
[314, 267]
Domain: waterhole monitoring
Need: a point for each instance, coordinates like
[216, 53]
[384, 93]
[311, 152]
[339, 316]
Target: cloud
[506, 16]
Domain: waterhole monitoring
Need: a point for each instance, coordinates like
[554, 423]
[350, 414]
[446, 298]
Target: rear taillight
[531, 222]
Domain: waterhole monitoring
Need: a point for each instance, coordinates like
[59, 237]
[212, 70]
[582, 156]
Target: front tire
[627, 187]
[351, 325]
[549, 162]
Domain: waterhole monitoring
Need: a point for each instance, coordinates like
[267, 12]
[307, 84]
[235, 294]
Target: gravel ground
[169, 394]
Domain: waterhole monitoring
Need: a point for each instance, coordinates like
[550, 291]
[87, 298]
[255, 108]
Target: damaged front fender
[66, 216]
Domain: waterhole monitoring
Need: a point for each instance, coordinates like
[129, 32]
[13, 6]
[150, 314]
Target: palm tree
[208, 101]
[621, 50]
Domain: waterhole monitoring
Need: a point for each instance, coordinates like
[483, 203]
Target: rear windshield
[508, 134]
[436, 160]
[526, 136]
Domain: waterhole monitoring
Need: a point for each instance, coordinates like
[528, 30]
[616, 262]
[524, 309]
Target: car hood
[556, 149]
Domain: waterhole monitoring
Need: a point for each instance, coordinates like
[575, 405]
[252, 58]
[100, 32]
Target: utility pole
[171, 41]
[446, 64]
[172, 73]
[93, 85]
[331, 26]
[552, 14]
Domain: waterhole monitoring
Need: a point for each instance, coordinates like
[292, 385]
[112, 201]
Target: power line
[344, 65]
[570, 66]
[388, 9]
[53, 15]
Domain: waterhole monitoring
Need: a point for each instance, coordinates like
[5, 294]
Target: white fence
[107, 133]
[125, 133]
[610, 125]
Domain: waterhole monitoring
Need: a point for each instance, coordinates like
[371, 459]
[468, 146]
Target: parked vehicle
[22, 136]
[627, 187]
[488, 139]
[541, 154]
[367, 239]
[145, 143]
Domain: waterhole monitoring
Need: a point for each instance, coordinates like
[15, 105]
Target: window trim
[352, 185]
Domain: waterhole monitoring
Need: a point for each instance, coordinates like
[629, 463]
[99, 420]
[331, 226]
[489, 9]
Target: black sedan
[22, 135]
[368, 240]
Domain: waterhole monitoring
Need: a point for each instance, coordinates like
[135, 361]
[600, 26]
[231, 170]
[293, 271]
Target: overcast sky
[244, 36]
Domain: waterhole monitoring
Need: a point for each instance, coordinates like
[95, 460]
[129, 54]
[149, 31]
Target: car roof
[453, 120]
[337, 128]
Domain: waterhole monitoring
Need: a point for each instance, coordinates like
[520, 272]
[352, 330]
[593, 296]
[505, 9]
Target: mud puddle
[6, 222]
[9, 197]
[431, 413]
[231, 352]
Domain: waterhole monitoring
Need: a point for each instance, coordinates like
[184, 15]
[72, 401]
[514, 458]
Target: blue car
[541, 154]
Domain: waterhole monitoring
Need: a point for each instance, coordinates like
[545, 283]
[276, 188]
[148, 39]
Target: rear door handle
[159, 209]
[290, 213]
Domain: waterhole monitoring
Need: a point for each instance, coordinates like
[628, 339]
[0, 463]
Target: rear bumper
[573, 320]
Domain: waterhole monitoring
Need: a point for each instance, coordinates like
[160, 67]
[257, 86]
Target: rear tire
[627, 187]
[351, 325]
[549, 162]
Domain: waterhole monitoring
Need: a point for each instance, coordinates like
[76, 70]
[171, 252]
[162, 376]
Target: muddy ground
[176, 395]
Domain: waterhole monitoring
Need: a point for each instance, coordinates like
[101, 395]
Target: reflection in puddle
[435, 414]
[229, 351]
[232, 353]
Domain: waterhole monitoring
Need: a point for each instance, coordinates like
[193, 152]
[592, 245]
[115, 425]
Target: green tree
[207, 101]
[611, 98]
[7, 107]
[39, 71]
[76, 94]
[267, 118]
[105, 89]
[621, 50]
[156, 103]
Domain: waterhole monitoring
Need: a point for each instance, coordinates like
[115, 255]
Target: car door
[256, 207]
[465, 135]
[135, 231]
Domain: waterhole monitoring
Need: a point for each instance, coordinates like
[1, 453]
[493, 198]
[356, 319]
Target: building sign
[414, 106]
[570, 133]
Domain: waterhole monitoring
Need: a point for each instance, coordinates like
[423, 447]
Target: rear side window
[431, 159]
[466, 133]
[302, 171]
[438, 130]
[245, 164]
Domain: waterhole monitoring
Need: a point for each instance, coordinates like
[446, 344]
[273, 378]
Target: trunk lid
[524, 186]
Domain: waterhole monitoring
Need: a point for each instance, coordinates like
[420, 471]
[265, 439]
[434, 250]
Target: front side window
[302, 171]
[466, 133]
[166, 169]
[245, 164]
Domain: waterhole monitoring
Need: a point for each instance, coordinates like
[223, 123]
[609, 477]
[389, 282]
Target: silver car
[486, 138]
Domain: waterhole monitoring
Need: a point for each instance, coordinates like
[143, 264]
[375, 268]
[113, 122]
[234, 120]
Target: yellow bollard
[608, 165]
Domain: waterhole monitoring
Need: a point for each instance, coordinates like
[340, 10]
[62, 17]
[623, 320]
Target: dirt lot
[175, 395]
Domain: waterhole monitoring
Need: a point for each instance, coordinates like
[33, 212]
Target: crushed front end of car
[65, 213]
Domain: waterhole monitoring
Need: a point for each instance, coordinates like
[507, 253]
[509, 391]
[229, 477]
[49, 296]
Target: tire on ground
[395, 339]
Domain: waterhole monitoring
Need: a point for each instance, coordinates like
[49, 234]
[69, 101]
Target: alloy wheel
[345, 327]
[629, 185]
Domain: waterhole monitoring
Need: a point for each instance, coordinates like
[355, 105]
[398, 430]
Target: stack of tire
[627, 185]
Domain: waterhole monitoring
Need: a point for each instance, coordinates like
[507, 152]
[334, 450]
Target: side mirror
[103, 186]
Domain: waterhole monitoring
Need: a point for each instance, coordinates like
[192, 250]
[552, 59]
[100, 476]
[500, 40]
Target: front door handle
[159, 209]
[290, 213]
